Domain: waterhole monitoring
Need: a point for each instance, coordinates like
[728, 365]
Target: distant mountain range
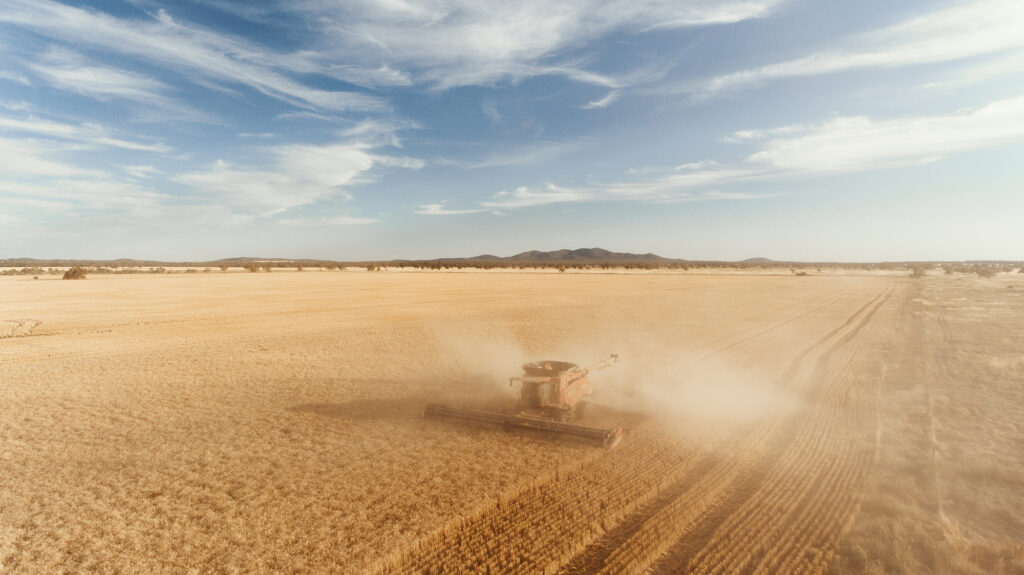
[583, 256]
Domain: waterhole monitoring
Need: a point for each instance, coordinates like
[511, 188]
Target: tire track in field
[544, 525]
[21, 327]
[793, 520]
[729, 482]
[573, 521]
[730, 341]
[948, 531]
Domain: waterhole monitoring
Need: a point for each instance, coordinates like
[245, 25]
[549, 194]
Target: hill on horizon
[577, 255]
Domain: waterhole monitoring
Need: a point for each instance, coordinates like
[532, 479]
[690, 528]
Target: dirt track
[270, 422]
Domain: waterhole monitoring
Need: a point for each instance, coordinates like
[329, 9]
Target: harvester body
[556, 389]
[551, 397]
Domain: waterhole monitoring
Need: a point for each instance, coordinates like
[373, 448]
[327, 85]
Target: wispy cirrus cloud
[603, 102]
[23, 157]
[295, 175]
[38, 182]
[858, 143]
[192, 50]
[439, 209]
[70, 71]
[519, 155]
[451, 43]
[526, 197]
[674, 187]
[15, 77]
[839, 145]
[90, 134]
[962, 31]
[331, 221]
[140, 172]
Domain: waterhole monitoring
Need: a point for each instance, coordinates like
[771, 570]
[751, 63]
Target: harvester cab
[556, 389]
[551, 396]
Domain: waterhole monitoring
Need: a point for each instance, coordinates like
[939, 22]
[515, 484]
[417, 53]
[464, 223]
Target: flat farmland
[272, 422]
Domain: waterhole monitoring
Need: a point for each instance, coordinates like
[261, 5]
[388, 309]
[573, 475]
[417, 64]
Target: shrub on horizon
[75, 273]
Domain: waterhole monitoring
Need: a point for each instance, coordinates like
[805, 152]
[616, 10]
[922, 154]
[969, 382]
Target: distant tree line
[916, 269]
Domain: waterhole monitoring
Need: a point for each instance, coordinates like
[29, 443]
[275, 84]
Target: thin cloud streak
[72, 72]
[26, 158]
[187, 48]
[472, 42]
[603, 102]
[859, 143]
[440, 210]
[15, 77]
[333, 221]
[844, 144]
[962, 31]
[299, 175]
[88, 134]
[531, 155]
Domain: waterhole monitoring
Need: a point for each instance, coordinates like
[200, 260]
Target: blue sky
[371, 129]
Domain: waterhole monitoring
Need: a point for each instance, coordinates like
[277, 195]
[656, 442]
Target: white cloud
[843, 144]
[439, 210]
[671, 188]
[860, 143]
[19, 106]
[470, 42]
[490, 109]
[751, 135]
[297, 175]
[996, 68]
[701, 165]
[194, 51]
[381, 76]
[332, 221]
[529, 155]
[378, 132]
[603, 102]
[405, 162]
[668, 186]
[965, 30]
[15, 77]
[69, 71]
[35, 178]
[90, 134]
[524, 197]
[142, 172]
[26, 157]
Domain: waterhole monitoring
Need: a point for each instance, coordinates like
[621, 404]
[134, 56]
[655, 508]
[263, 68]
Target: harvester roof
[548, 368]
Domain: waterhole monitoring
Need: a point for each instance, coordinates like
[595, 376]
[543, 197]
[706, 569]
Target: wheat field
[272, 423]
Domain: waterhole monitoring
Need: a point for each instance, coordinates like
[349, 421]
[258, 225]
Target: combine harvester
[551, 397]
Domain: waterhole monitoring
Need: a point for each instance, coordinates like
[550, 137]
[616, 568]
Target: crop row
[544, 525]
[671, 522]
[794, 517]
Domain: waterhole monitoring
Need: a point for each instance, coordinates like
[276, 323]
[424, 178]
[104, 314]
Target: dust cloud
[649, 380]
[478, 359]
[712, 391]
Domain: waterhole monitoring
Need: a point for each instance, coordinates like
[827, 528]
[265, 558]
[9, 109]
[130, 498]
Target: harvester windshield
[547, 368]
